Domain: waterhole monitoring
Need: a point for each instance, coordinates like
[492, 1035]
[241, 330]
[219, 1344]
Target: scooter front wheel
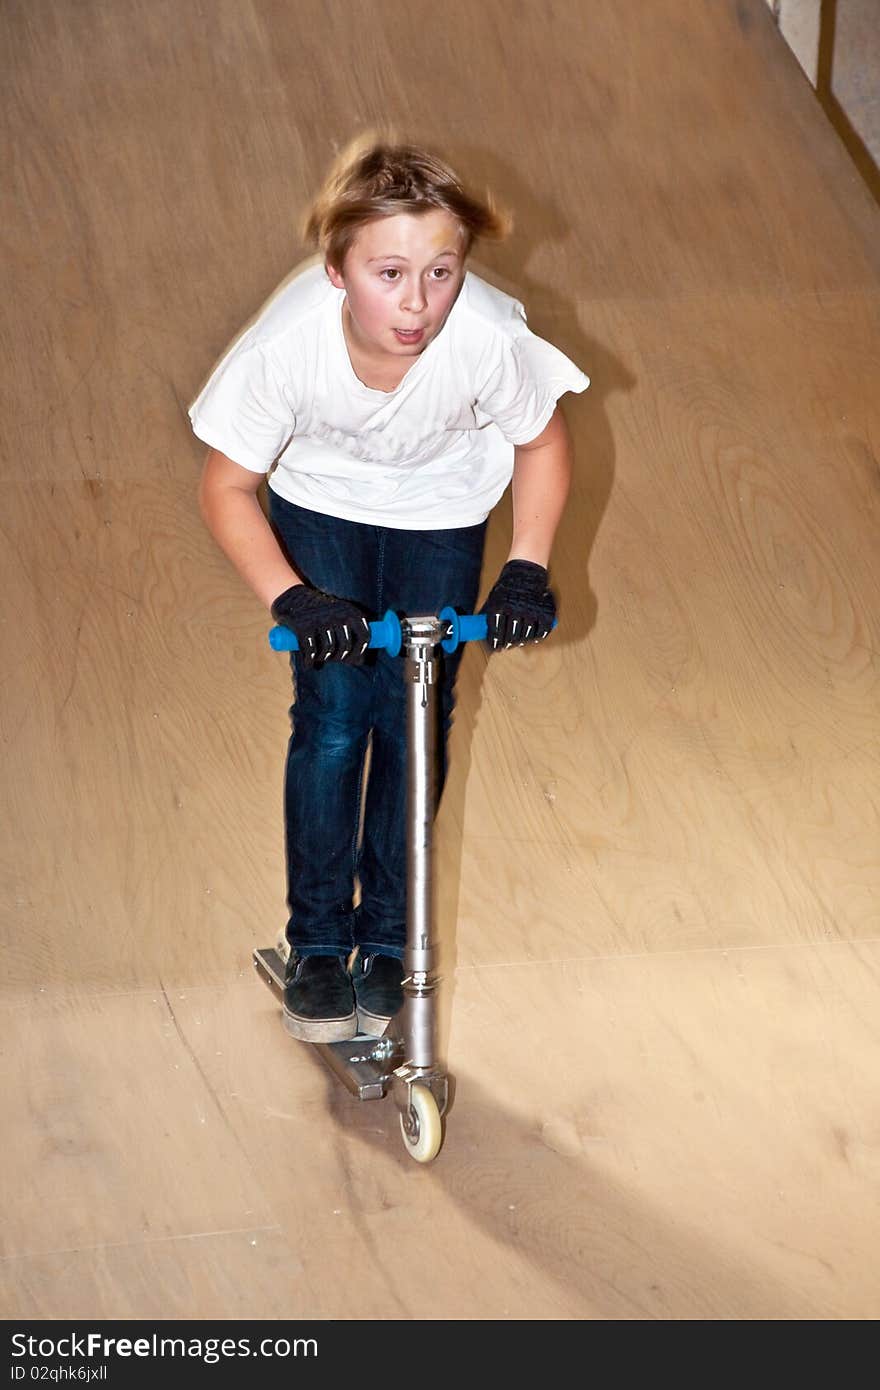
[421, 1126]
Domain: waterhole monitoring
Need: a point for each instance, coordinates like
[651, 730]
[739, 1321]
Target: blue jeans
[339, 710]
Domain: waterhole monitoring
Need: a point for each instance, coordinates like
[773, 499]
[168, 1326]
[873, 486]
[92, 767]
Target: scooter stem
[421, 639]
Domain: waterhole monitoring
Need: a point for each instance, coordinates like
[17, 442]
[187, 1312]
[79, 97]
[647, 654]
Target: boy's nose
[413, 298]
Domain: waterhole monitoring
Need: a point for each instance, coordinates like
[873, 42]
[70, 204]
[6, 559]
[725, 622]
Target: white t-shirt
[436, 452]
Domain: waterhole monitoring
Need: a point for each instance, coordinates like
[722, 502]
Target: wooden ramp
[659, 845]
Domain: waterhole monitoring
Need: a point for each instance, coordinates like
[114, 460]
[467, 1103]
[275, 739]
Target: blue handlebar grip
[384, 633]
[281, 639]
[471, 627]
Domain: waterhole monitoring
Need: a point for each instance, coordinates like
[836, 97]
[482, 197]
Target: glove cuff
[280, 605]
[527, 573]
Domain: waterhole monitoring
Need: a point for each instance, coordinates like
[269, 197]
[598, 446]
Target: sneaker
[318, 999]
[377, 986]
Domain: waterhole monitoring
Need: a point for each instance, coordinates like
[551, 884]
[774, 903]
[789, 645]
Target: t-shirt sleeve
[521, 390]
[245, 410]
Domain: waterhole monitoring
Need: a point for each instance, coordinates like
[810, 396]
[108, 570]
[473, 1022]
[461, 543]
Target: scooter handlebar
[386, 634]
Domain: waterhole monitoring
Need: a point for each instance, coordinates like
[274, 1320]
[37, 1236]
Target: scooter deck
[364, 1064]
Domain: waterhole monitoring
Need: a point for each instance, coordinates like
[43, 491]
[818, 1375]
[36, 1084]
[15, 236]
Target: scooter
[405, 1058]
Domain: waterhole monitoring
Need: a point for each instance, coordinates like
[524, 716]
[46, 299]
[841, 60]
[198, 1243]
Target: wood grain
[658, 892]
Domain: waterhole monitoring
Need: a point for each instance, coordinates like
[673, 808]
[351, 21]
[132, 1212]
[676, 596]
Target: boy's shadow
[542, 1197]
[554, 316]
[559, 320]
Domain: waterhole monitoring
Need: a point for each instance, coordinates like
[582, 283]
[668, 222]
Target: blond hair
[377, 176]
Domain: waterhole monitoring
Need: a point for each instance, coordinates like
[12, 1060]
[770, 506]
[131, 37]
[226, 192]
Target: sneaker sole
[373, 1025]
[320, 1030]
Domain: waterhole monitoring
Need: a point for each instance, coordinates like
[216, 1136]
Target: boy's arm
[520, 607]
[541, 480]
[327, 628]
[232, 513]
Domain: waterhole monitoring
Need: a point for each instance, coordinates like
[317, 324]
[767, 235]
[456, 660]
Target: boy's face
[401, 277]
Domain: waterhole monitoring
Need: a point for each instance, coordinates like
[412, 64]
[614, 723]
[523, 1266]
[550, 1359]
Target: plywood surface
[658, 850]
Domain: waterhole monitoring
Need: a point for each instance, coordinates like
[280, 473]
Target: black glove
[520, 608]
[327, 628]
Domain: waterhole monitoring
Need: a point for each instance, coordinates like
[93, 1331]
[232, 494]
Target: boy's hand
[520, 607]
[327, 628]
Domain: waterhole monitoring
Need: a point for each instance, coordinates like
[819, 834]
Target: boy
[396, 394]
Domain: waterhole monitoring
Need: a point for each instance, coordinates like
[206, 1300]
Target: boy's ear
[334, 277]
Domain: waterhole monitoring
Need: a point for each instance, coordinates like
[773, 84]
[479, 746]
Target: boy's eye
[392, 273]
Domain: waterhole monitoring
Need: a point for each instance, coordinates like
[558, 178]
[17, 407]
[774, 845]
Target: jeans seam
[380, 577]
[380, 580]
[357, 815]
[381, 948]
[343, 952]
